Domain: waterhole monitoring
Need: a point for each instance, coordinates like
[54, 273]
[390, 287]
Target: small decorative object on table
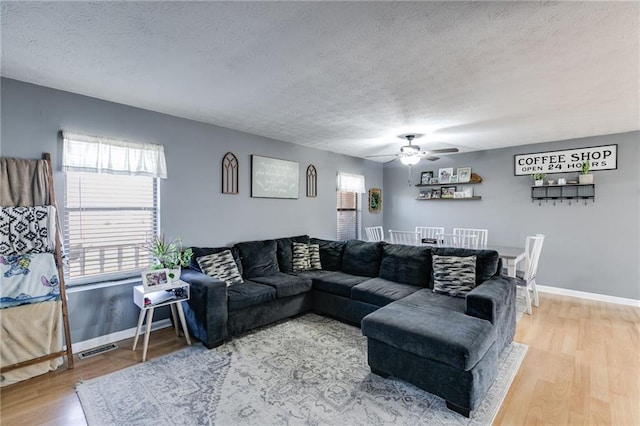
[168, 254]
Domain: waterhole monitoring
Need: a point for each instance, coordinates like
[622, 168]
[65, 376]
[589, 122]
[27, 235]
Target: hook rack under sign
[570, 192]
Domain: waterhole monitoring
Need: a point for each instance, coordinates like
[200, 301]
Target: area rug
[309, 370]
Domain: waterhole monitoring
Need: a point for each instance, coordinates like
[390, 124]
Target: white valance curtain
[348, 182]
[96, 154]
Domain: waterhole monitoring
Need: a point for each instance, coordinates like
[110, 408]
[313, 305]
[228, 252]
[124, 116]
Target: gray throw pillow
[222, 266]
[454, 275]
[314, 256]
[300, 260]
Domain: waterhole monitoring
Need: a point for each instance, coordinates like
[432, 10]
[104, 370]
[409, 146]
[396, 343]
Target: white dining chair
[429, 232]
[374, 233]
[409, 238]
[533, 249]
[457, 241]
[482, 235]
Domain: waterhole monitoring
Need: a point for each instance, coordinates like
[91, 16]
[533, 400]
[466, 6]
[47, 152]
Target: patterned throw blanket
[27, 230]
[28, 278]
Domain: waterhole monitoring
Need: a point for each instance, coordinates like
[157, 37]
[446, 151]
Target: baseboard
[590, 296]
[117, 336]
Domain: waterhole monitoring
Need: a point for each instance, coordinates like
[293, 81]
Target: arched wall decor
[312, 181]
[230, 173]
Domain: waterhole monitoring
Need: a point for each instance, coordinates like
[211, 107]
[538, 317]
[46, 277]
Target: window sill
[88, 287]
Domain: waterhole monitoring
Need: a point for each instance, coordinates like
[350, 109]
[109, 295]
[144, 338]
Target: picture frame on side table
[425, 177]
[444, 175]
[156, 279]
[448, 191]
[464, 174]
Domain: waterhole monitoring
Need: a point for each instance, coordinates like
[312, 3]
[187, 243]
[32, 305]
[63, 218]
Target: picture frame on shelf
[448, 191]
[435, 193]
[425, 177]
[444, 175]
[464, 174]
[458, 194]
[156, 279]
[454, 179]
[434, 181]
[427, 195]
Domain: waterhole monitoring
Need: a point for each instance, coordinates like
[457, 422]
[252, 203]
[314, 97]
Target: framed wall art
[375, 200]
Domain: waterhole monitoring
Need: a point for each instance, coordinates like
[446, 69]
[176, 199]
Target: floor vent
[97, 351]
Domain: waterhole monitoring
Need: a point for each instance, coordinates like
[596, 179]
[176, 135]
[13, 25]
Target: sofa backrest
[205, 251]
[406, 264]
[284, 251]
[487, 261]
[259, 258]
[331, 253]
[362, 258]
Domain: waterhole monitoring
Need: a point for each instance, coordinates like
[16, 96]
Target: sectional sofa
[446, 345]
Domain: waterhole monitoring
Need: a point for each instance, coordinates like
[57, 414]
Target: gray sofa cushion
[428, 297]
[406, 264]
[331, 253]
[286, 285]
[362, 258]
[205, 251]
[284, 251]
[432, 332]
[380, 292]
[258, 258]
[337, 282]
[240, 296]
[486, 263]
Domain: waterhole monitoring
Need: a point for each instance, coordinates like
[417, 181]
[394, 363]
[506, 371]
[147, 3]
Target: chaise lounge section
[446, 345]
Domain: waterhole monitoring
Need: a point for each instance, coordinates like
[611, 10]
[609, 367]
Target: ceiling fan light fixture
[410, 160]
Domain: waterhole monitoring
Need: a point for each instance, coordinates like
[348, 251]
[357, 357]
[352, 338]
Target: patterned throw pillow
[222, 266]
[300, 257]
[314, 256]
[453, 275]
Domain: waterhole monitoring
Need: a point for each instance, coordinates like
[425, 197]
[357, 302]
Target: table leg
[175, 318]
[184, 323]
[139, 328]
[147, 334]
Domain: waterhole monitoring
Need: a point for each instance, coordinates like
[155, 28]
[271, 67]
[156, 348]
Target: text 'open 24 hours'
[570, 160]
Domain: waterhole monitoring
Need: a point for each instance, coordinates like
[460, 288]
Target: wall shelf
[447, 184]
[569, 192]
[476, 197]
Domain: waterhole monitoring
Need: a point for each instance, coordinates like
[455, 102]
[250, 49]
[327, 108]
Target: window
[111, 205]
[348, 215]
[108, 219]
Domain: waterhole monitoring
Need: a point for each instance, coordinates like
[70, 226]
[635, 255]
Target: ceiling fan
[411, 154]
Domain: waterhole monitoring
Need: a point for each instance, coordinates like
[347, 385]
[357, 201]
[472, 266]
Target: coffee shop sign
[570, 160]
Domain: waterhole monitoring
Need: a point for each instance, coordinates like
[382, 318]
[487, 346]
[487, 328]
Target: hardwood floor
[582, 367]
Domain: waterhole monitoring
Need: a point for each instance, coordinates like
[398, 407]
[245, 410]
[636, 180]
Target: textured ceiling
[346, 76]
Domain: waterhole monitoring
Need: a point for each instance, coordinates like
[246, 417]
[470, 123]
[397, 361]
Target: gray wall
[192, 206]
[592, 248]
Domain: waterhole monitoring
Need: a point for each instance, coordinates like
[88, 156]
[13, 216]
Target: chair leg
[536, 301]
[528, 298]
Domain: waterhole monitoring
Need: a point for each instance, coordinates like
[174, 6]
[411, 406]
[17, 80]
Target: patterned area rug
[310, 370]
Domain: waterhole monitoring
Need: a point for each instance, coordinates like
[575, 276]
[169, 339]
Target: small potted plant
[168, 254]
[538, 178]
[585, 177]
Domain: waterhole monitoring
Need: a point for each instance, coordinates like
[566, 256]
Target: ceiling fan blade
[441, 151]
[383, 155]
[431, 158]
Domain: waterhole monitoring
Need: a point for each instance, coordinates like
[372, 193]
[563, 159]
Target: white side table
[147, 301]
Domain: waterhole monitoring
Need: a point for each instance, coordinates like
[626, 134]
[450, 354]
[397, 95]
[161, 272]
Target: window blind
[108, 219]
[348, 217]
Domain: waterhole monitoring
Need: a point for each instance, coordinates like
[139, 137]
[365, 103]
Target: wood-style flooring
[582, 367]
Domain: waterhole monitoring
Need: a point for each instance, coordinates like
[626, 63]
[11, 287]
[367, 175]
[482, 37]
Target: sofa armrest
[492, 297]
[206, 310]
